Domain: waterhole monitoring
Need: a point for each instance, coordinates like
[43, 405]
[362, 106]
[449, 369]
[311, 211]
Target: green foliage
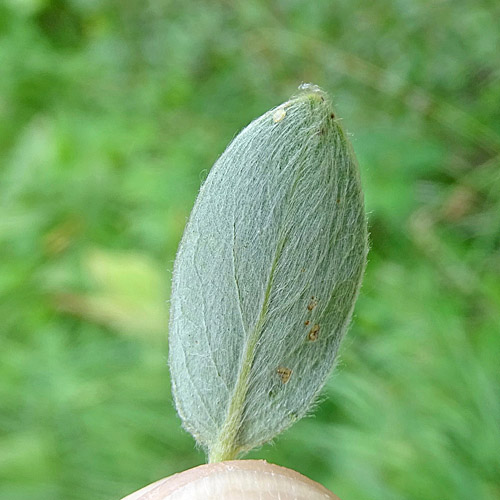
[266, 277]
[110, 115]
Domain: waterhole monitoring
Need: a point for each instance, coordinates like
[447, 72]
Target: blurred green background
[111, 115]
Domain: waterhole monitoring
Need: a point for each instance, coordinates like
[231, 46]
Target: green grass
[111, 114]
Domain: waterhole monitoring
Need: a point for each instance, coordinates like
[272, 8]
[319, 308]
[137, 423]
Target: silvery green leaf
[266, 277]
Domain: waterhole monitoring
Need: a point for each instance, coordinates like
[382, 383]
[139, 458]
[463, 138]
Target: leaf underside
[266, 277]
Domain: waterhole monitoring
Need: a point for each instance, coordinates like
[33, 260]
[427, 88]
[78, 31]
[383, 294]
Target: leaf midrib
[225, 447]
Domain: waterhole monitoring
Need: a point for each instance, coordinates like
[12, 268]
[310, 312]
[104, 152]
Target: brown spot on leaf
[312, 303]
[314, 333]
[306, 322]
[284, 374]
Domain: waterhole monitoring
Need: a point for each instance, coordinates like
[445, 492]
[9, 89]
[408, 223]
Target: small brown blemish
[314, 333]
[284, 374]
[306, 322]
[312, 304]
[338, 200]
[332, 116]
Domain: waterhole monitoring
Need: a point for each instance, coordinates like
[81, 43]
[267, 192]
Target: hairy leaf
[266, 277]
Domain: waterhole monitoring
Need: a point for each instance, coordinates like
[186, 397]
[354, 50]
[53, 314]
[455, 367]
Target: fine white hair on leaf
[266, 277]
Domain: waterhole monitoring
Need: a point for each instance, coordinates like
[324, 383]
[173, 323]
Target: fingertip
[235, 480]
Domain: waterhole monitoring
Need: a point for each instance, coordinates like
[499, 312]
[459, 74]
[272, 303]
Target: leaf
[266, 277]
